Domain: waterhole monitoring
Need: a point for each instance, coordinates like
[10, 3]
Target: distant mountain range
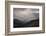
[33, 23]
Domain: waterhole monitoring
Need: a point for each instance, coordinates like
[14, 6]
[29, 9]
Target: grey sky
[25, 14]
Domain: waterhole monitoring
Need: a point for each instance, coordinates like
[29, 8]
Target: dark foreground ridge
[33, 23]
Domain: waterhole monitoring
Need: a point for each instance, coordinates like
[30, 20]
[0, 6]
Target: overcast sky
[25, 14]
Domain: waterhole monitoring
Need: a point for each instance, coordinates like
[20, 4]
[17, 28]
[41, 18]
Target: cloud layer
[25, 14]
